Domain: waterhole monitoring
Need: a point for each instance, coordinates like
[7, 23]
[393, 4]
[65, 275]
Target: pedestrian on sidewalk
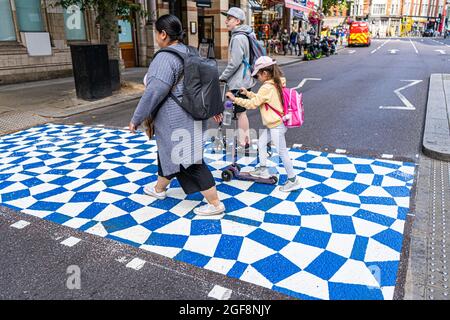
[293, 40]
[301, 37]
[237, 74]
[165, 75]
[271, 93]
[285, 41]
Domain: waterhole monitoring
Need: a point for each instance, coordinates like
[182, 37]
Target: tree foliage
[328, 4]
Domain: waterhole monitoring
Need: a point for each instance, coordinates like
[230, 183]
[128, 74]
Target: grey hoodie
[238, 49]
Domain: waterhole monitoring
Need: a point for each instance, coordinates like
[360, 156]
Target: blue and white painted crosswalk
[339, 237]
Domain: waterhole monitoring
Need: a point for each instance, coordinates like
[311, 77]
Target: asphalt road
[342, 111]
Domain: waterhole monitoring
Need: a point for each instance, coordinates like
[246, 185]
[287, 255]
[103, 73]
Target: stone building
[35, 35]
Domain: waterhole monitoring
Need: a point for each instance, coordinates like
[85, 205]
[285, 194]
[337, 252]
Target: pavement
[436, 139]
[36, 102]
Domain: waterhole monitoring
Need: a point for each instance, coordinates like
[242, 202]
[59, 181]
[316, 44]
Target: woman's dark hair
[172, 26]
[275, 73]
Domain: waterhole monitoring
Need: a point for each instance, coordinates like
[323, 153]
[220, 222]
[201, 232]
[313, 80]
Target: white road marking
[302, 83]
[351, 51]
[70, 242]
[220, 293]
[122, 259]
[136, 264]
[78, 123]
[341, 151]
[393, 51]
[414, 46]
[379, 47]
[441, 51]
[20, 224]
[296, 145]
[407, 105]
[100, 125]
[387, 156]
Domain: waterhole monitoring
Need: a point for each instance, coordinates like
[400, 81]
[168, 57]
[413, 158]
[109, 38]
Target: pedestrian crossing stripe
[321, 242]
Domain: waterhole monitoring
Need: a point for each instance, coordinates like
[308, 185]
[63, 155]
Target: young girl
[270, 75]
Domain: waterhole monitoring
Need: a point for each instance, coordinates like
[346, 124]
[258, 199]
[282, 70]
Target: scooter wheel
[274, 179]
[227, 175]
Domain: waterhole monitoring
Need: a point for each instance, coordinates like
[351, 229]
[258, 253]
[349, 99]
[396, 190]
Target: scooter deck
[246, 176]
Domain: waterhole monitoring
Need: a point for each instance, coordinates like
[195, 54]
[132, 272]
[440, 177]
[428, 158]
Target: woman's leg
[161, 184]
[278, 138]
[244, 128]
[211, 196]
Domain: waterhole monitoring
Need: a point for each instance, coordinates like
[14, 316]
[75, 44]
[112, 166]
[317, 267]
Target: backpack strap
[273, 109]
[180, 55]
[247, 65]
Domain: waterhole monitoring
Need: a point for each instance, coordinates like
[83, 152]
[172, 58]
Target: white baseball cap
[261, 63]
[236, 12]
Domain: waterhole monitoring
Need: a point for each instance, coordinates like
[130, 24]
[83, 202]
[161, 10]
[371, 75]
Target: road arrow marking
[407, 105]
[302, 83]
[441, 51]
[393, 51]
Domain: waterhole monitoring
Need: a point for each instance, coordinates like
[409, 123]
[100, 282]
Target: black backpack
[202, 97]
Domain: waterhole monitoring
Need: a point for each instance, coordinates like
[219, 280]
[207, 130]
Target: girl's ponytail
[277, 74]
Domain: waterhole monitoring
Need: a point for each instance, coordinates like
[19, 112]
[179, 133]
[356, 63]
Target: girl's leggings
[278, 138]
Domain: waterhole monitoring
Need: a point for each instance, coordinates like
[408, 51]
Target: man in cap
[237, 74]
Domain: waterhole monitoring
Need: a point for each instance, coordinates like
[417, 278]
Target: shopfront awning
[254, 5]
[291, 4]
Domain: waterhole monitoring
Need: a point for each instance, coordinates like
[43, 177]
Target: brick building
[35, 35]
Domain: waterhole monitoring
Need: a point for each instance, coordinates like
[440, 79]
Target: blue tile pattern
[330, 240]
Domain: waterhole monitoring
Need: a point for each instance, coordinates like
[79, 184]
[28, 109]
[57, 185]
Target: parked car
[428, 33]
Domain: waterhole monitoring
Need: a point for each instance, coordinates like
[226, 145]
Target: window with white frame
[29, 15]
[7, 31]
[378, 9]
[424, 11]
[407, 8]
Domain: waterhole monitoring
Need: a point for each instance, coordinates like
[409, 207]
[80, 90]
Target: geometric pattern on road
[339, 237]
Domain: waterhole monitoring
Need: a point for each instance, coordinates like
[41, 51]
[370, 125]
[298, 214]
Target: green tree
[328, 4]
[107, 12]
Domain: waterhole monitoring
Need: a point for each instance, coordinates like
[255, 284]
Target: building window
[125, 32]
[7, 32]
[29, 15]
[379, 9]
[74, 23]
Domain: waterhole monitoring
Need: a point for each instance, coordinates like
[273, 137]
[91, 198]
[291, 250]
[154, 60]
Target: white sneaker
[291, 186]
[260, 172]
[209, 210]
[150, 190]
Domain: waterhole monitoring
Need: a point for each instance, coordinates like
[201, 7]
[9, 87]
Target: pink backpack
[292, 108]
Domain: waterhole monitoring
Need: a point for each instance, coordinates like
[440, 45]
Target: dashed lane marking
[341, 151]
[136, 264]
[70, 242]
[387, 156]
[220, 293]
[20, 224]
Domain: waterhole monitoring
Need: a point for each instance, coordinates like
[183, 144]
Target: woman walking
[171, 121]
